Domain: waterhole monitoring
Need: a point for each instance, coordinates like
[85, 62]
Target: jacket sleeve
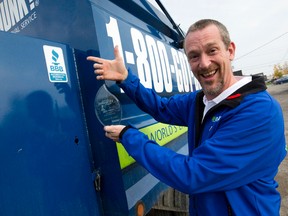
[166, 110]
[248, 145]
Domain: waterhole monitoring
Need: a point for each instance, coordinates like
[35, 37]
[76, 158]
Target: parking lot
[280, 92]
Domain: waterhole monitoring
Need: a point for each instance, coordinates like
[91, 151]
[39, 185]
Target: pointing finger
[93, 58]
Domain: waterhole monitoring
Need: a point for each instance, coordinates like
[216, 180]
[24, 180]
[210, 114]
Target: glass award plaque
[107, 107]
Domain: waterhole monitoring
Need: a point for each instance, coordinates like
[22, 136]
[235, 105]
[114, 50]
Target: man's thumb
[116, 52]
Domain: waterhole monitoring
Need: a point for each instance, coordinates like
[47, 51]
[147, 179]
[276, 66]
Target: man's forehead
[210, 30]
[207, 36]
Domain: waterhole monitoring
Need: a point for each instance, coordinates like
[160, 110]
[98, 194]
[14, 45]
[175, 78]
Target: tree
[285, 68]
[277, 71]
[280, 70]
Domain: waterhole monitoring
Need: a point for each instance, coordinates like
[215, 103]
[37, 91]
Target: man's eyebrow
[192, 52]
[211, 44]
[208, 45]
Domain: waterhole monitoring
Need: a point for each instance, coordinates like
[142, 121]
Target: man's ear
[231, 50]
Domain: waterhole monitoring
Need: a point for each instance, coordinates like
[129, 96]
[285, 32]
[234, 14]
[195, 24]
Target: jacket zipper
[229, 210]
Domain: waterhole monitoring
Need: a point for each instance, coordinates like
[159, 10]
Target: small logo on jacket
[216, 118]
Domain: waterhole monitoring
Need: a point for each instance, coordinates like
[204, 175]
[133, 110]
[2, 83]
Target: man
[235, 130]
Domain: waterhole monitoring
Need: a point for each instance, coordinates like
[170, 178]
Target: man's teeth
[209, 74]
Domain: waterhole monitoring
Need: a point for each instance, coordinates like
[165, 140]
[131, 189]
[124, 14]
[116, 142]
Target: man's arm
[246, 148]
[166, 110]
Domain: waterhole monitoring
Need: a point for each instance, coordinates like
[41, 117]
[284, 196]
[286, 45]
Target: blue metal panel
[46, 168]
[65, 21]
[94, 25]
[103, 150]
[117, 26]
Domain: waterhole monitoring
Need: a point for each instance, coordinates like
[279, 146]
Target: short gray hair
[203, 23]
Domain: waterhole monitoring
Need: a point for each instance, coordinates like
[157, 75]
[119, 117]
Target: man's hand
[113, 132]
[110, 69]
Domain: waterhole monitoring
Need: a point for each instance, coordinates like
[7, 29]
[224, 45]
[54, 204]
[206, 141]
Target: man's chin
[212, 91]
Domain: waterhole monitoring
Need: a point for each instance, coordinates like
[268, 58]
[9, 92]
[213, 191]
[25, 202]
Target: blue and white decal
[55, 64]
[160, 66]
[15, 15]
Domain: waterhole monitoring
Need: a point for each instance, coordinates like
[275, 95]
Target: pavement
[280, 92]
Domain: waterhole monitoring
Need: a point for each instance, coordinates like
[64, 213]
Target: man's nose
[204, 62]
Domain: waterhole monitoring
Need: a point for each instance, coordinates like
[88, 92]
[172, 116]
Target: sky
[259, 28]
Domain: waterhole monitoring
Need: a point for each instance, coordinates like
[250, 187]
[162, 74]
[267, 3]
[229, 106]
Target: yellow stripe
[160, 133]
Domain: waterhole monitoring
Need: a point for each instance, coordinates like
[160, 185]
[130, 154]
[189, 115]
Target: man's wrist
[124, 130]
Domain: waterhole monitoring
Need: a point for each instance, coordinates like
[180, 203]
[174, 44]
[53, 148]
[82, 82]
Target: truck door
[46, 168]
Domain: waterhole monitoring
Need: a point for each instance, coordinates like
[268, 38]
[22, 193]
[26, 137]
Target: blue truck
[55, 159]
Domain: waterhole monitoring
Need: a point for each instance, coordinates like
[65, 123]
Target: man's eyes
[193, 57]
[213, 51]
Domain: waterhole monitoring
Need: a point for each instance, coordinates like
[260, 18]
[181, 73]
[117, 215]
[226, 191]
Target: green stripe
[159, 132]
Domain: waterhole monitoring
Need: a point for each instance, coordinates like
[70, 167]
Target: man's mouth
[209, 74]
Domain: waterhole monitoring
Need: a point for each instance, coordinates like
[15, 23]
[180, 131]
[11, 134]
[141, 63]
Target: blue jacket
[234, 153]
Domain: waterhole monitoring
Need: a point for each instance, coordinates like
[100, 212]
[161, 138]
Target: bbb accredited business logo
[55, 64]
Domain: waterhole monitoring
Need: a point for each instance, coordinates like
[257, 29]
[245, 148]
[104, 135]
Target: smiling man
[235, 130]
[210, 54]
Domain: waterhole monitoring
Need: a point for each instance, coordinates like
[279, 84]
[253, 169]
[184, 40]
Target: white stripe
[137, 191]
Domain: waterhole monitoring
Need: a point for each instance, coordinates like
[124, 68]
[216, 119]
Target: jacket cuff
[129, 78]
[124, 130]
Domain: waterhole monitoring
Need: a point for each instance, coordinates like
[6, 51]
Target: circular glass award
[107, 107]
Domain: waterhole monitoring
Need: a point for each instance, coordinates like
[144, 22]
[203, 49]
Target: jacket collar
[256, 85]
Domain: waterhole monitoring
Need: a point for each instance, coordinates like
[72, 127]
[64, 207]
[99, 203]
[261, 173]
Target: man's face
[210, 60]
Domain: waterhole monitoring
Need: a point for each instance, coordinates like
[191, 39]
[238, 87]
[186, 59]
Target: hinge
[97, 180]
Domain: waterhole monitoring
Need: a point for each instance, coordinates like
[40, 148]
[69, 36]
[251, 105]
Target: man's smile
[209, 74]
